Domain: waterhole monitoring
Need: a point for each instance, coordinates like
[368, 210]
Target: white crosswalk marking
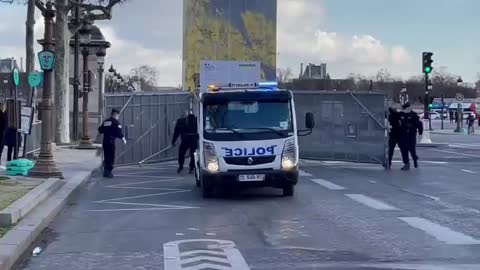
[441, 233]
[303, 173]
[327, 184]
[370, 202]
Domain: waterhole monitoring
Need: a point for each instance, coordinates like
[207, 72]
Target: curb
[452, 133]
[20, 208]
[14, 244]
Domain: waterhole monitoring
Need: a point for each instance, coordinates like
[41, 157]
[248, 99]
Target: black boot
[415, 163]
[406, 167]
[107, 174]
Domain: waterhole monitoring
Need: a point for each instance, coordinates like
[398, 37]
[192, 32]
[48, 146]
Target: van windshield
[248, 117]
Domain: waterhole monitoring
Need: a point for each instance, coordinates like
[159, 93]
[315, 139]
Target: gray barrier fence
[148, 121]
[349, 126]
[33, 140]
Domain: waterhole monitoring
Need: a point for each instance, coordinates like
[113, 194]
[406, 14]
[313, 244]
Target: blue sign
[249, 152]
[47, 60]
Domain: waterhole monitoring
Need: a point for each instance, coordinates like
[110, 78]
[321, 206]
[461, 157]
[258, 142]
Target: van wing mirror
[309, 120]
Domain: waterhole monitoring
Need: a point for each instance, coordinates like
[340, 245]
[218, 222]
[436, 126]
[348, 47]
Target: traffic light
[427, 62]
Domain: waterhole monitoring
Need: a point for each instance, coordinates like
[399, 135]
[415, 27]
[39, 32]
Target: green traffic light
[428, 70]
[430, 106]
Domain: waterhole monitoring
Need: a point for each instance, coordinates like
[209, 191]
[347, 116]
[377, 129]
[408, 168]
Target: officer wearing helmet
[111, 130]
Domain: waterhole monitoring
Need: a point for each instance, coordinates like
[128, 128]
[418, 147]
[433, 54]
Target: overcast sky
[359, 36]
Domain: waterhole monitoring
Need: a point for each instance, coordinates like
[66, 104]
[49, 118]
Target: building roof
[7, 64]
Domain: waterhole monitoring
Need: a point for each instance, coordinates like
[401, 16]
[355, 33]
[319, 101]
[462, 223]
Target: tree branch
[40, 6]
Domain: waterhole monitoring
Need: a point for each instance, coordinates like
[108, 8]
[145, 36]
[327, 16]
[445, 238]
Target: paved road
[343, 216]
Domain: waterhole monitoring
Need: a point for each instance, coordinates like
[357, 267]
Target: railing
[33, 140]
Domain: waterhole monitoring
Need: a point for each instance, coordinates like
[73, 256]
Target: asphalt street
[343, 216]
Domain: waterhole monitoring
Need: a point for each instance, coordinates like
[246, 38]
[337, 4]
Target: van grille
[243, 161]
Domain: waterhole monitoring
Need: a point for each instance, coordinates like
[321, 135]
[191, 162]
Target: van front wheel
[288, 190]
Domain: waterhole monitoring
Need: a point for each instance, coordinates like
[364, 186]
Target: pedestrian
[111, 130]
[394, 134]
[451, 116]
[410, 125]
[3, 128]
[186, 129]
[13, 141]
[470, 123]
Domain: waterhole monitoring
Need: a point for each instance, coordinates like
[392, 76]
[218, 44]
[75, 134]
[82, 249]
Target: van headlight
[289, 154]
[210, 157]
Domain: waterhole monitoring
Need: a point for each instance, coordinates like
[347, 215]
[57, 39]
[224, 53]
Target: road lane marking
[209, 254]
[468, 171]
[139, 209]
[303, 173]
[133, 184]
[424, 161]
[144, 196]
[441, 233]
[327, 184]
[456, 153]
[370, 202]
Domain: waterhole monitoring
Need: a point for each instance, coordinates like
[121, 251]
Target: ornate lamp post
[85, 40]
[45, 166]
[101, 53]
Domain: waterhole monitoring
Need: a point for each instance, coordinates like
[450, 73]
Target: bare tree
[29, 37]
[383, 75]
[92, 10]
[442, 77]
[147, 75]
[284, 75]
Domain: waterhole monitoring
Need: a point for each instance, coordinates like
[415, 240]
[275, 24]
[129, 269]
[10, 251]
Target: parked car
[435, 116]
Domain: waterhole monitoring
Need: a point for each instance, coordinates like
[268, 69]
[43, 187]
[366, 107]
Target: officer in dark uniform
[186, 129]
[111, 130]
[410, 124]
[394, 135]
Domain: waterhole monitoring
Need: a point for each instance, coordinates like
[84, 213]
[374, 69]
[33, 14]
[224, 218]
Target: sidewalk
[450, 132]
[43, 200]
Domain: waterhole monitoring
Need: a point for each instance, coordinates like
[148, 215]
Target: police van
[248, 137]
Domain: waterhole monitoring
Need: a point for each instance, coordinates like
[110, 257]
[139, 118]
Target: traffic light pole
[426, 114]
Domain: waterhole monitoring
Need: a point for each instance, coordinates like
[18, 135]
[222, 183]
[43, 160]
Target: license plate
[251, 178]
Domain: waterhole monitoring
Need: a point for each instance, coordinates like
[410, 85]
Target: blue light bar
[268, 84]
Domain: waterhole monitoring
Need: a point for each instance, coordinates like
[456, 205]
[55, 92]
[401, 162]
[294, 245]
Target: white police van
[247, 138]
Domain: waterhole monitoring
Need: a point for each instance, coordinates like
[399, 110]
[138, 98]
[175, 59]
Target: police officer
[186, 129]
[111, 130]
[394, 135]
[410, 124]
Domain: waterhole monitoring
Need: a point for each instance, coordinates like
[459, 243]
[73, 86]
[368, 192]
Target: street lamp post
[45, 166]
[403, 95]
[459, 117]
[85, 39]
[101, 53]
[429, 87]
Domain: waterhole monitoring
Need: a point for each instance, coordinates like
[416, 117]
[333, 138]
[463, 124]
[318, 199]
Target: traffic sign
[459, 97]
[47, 60]
[16, 77]
[35, 79]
